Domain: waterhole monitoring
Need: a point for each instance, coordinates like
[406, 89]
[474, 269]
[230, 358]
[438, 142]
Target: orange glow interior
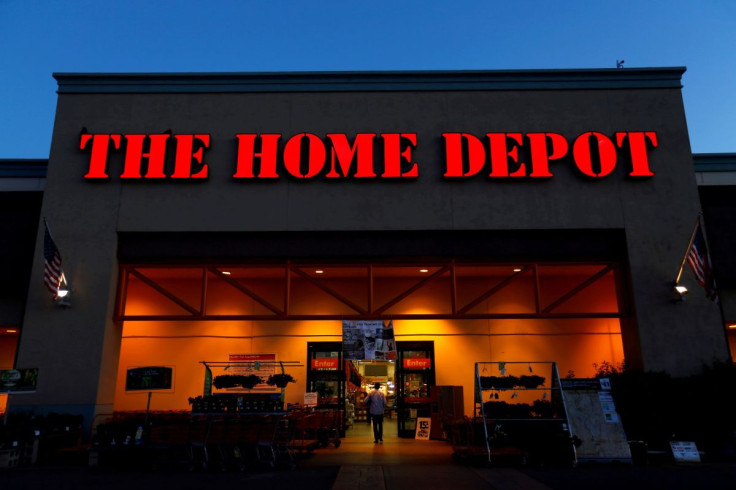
[8, 346]
[575, 344]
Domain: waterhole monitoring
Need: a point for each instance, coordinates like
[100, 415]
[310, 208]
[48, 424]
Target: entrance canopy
[437, 289]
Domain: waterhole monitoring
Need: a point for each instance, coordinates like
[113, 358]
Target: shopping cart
[330, 427]
[274, 438]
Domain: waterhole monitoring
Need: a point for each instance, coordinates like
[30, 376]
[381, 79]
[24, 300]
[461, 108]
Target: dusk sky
[40, 38]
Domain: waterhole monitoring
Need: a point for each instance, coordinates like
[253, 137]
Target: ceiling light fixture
[319, 271]
[423, 270]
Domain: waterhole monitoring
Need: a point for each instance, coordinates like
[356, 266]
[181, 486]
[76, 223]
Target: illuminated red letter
[134, 156]
[185, 154]
[454, 163]
[581, 151]
[316, 155]
[500, 155]
[247, 153]
[540, 153]
[638, 151]
[343, 154]
[393, 156]
[98, 159]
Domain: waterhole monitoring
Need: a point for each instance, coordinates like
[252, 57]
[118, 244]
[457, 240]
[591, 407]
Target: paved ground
[377, 477]
[397, 464]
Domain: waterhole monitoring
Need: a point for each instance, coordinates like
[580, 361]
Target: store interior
[567, 314]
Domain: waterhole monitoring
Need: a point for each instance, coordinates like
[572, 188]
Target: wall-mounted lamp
[678, 293]
[63, 293]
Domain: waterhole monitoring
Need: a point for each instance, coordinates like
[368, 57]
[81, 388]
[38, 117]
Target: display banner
[263, 365]
[207, 381]
[18, 380]
[368, 340]
[149, 378]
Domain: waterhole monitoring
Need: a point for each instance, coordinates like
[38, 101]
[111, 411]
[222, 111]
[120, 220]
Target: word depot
[369, 155]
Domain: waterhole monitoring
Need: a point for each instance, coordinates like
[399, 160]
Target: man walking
[377, 405]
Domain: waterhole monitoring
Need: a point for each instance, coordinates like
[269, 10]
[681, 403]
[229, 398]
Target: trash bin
[638, 452]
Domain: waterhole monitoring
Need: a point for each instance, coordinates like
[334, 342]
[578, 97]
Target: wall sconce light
[63, 294]
[678, 293]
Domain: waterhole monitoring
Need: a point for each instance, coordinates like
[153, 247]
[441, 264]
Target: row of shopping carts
[220, 441]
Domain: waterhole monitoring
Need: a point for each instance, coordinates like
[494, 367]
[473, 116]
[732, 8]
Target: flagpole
[687, 250]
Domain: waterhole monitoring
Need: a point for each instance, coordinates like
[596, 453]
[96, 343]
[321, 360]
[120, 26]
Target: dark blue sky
[39, 38]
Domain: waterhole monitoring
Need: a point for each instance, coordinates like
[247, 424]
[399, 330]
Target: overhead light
[731, 326]
[226, 273]
[423, 270]
[319, 271]
[10, 330]
[517, 269]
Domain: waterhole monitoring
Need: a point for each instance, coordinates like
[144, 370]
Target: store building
[489, 216]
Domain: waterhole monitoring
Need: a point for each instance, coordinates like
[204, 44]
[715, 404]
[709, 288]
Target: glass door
[326, 377]
[415, 375]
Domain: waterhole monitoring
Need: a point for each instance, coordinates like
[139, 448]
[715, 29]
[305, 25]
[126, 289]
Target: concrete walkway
[401, 464]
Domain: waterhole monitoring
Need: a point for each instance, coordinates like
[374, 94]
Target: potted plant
[280, 380]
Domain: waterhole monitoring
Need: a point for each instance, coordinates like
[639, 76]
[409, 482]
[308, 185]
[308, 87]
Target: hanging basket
[280, 380]
[234, 380]
[532, 381]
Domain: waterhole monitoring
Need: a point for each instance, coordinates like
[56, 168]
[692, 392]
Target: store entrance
[415, 374]
[330, 378]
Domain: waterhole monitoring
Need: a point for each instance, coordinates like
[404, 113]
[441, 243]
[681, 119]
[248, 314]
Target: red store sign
[417, 363]
[367, 156]
[325, 364]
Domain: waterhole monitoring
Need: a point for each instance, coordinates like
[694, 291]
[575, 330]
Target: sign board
[417, 363]
[424, 426]
[263, 365]
[388, 156]
[592, 417]
[582, 384]
[310, 399]
[149, 378]
[18, 380]
[368, 339]
[685, 452]
[326, 363]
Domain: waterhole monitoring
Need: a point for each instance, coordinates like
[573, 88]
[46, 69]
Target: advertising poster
[263, 365]
[18, 380]
[685, 452]
[423, 428]
[368, 340]
[149, 378]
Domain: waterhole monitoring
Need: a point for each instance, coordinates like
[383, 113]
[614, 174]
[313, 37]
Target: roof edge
[23, 168]
[371, 81]
[714, 162]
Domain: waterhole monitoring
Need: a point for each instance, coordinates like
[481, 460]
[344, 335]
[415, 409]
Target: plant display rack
[521, 407]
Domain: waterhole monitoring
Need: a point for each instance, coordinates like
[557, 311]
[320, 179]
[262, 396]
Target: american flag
[52, 272]
[699, 262]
